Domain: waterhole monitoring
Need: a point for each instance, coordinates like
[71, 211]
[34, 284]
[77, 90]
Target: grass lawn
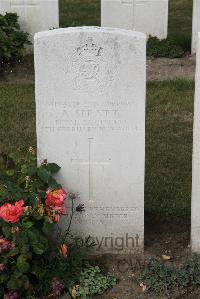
[80, 13]
[168, 140]
[87, 12]
[169, 149]
[17, 117]
[180, 22]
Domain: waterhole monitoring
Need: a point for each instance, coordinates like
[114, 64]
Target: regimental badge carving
[89, 54]
[90, 49]
[89, 69]
[93, 66]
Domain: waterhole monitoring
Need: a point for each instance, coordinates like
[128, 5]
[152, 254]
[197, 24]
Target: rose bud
[72, 195]
[64, 249]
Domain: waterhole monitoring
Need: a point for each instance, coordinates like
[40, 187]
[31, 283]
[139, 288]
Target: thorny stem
[70, 222]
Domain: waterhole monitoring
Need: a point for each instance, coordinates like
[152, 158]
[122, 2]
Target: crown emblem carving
[89, 49]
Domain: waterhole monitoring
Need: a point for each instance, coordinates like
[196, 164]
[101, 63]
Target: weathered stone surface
[195, 219]
[151, 17]
[90, 98]
[195, 24]
[147, 16]
[117, 13]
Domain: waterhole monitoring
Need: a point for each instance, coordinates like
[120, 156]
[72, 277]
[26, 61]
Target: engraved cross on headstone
[25, 4]
[90, 163]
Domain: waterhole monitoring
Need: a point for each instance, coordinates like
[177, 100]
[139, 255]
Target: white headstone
[34, 15]
[195, 217]
[117, 14]
[90, 98]
[147, 16]
[151, 17]
[195, 24]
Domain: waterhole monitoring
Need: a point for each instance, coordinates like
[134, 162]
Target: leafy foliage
[92, 282]
[164, 48]
[165, 278]
[189, 275]
[12, 40]
[159, 277]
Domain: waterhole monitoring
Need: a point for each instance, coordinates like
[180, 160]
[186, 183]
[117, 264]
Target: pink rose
[12, 213]
[11, 295]
[55, 198]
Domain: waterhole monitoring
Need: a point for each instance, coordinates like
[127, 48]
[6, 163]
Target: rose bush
[32, 265]
[13, 41]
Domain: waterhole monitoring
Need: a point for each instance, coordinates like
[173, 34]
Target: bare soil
[157, 69]
[21, 73]
[165, 68]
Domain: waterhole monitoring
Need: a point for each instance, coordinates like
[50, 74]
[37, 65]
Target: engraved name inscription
[74, 117]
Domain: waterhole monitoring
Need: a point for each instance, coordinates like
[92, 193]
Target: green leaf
[38, 242]
[53, 185]
[43, 174]
[14, 252]
[31, 171]
[25, 281]
[3, 278]
[7, 231]
[10, 172]
[25, 251]
[47, 227]
[38, 271]
[53, 167]
[27, 224]
[22, 238]
[32, 235]
[37, 216]
[40, 248]
[24, 169]
[14, 283]
[22, 264]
